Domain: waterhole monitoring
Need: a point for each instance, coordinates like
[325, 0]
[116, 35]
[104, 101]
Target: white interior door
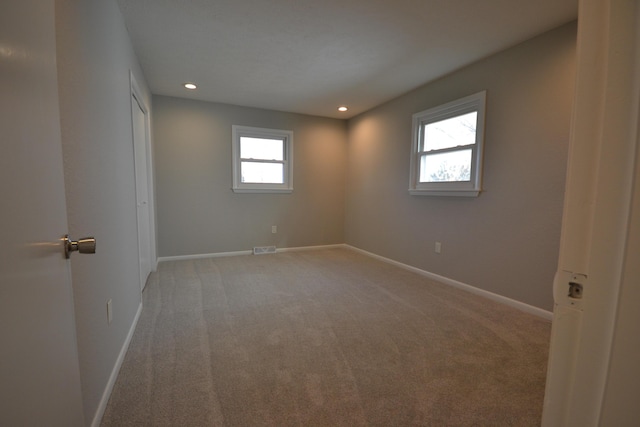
[39, 373]
[142, 190]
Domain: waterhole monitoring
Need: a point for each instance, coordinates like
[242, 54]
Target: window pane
[446, 167]
[453, 132]
[262, 173]
[261, 148]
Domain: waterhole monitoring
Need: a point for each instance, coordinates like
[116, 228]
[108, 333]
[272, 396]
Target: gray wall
[507, 240]
[94, 58]
[196, 210]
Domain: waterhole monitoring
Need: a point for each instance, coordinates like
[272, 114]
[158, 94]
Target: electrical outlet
[109, 312]
[438, 247]
[274, 229]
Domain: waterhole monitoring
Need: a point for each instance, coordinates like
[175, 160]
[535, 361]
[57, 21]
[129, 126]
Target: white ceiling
[309, 56]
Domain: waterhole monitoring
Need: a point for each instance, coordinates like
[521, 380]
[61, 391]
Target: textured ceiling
[311, 56]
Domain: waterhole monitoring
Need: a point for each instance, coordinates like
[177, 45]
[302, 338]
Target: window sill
[445, 193]
[263, 190]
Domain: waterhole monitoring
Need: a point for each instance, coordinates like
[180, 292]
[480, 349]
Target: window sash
[252, 175]
[251, 143]
[449, 131]
[425, 171]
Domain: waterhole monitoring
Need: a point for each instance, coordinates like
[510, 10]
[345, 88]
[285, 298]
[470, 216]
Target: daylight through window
[261, 160]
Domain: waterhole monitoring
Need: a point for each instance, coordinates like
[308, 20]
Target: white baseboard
[201, 256]
[97, 419]
[311, 248]
[226, 254]
[547, 315]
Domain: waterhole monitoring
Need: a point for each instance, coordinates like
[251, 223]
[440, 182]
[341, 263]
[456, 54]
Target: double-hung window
[262, 160]
[446, 155]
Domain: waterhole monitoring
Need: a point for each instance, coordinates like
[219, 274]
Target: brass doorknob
[86, 245]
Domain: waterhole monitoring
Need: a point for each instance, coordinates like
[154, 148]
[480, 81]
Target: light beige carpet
[325, 338]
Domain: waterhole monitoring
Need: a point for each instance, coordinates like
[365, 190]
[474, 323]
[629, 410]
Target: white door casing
[139, 120]
[39, 371]
[598, 229]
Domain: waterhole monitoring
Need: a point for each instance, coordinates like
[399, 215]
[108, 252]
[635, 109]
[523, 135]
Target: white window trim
[475, 102]
[246, 131]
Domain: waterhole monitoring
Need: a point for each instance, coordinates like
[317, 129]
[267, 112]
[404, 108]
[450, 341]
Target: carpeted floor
[325, 338]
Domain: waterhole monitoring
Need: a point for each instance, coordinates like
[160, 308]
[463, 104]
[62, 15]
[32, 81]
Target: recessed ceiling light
[343, 108]
[190, 86]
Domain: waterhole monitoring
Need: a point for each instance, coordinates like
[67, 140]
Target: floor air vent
[259, 250]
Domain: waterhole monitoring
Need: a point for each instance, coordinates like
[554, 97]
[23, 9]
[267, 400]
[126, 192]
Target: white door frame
[597, 211]
[137, 96]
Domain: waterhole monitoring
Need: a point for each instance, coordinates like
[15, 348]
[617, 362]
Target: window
[446, 154]
[262, 160]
